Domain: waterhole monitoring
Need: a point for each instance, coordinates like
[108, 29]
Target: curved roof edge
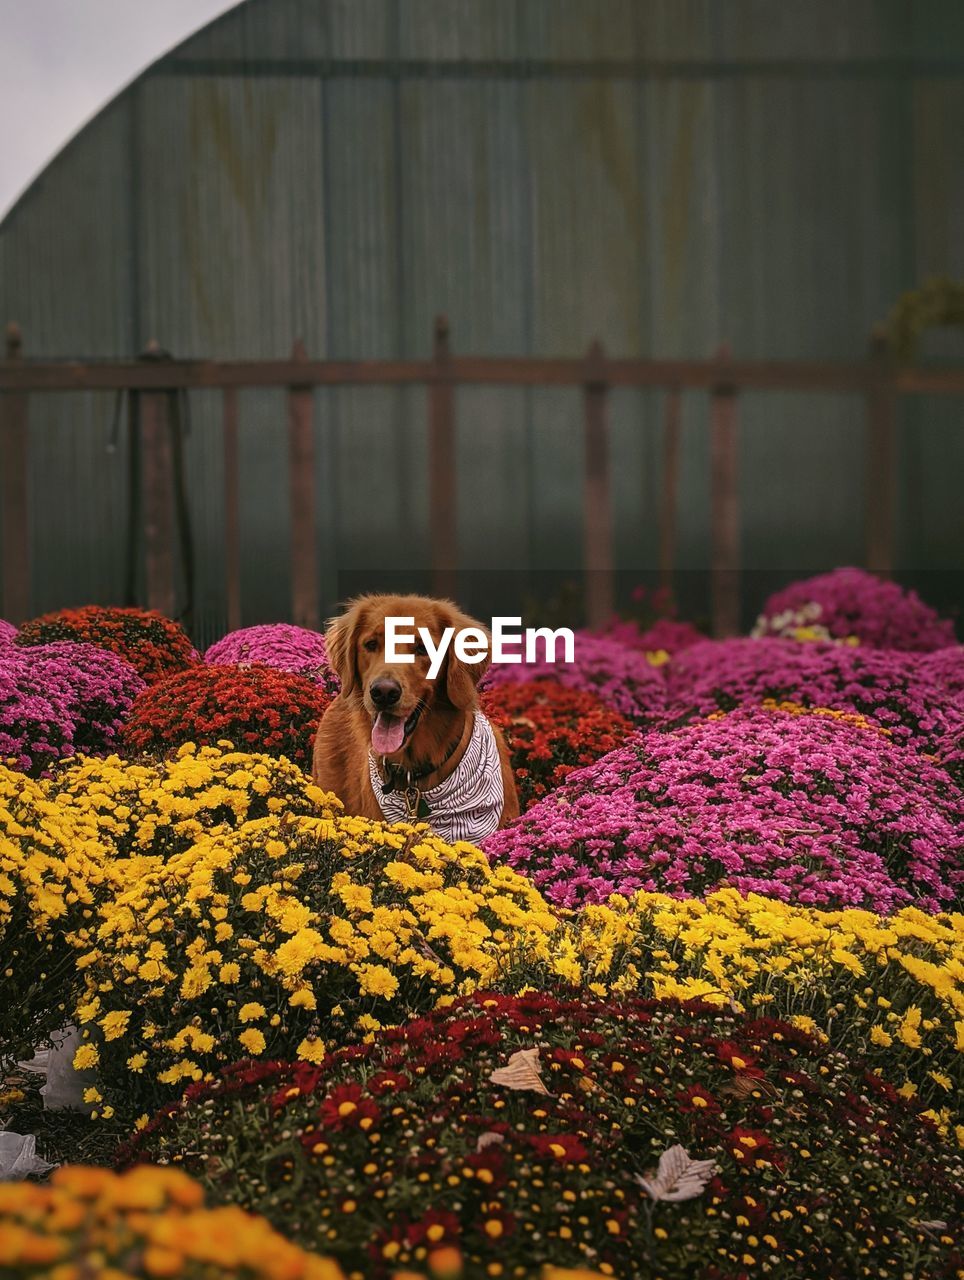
[123, 92]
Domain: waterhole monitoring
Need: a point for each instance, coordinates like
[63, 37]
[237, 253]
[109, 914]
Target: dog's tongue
[388, 733]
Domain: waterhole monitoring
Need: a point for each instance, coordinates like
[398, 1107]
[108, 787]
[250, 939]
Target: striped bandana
[468, 804]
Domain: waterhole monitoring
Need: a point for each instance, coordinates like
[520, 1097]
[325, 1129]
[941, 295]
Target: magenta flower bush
[617, 675]
[945, 667]
[667, 635]
[280, 645]
[60, 699]
[7, 632]
[807, 807]
[852, 602]
[884, 685]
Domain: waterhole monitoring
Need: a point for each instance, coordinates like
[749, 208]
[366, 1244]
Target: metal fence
[156, 382]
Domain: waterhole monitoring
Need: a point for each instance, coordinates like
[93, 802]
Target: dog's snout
[385, 693]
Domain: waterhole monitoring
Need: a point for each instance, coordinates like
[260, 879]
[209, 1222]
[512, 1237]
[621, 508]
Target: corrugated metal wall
[665, 175]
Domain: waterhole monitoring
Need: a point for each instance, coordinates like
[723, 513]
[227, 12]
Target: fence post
[157, 481]
[597, 517]
[669, 495]
[725, 507]
[301, 461]
[232, 508]
[881, 493]
[442, 475]
[14, 448]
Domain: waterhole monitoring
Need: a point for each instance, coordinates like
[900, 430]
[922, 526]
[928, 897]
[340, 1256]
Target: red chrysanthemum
[559, 1146]
[551, 730]
[255, 708]
[347, 1107]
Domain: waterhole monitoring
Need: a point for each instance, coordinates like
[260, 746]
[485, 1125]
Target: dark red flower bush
[153, 645]
[255, 708]
[531, 1130]
[551, 730]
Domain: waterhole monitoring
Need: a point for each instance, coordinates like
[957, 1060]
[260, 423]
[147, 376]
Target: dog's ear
[341, 641]
[462, 678]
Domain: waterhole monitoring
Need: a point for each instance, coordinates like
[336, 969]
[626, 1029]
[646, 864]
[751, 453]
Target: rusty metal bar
[232, 508]
[669, 493]
[724, 509]
[442, 474]
[881, 484]
[597, 511]
[157, 482]
[14, 448]
[753, 375]
[301, 459]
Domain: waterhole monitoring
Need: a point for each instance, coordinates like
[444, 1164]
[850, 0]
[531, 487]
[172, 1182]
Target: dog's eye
[420, 650]
[371, 644]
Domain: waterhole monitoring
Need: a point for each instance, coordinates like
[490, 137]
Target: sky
[62, 60]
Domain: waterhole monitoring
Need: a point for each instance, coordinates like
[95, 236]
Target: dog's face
[399, 697]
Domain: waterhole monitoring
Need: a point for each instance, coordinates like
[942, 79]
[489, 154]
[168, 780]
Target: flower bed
[617, 675]
[52, 871]
[804, 807]
[888, 988]
[851, 603]
[151, 643]
[58, 699]
[265, 941]
[252, 708]
[280, 645]
[885, 686]
[541, 1130]
[156, 808]
[139, 1225]
[551, 730]
[7, 632]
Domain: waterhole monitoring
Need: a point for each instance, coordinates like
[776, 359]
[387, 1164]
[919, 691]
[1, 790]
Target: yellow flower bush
[148, 1222]
[268, 941]
[890, 988]
[52, 871]
[151, 808]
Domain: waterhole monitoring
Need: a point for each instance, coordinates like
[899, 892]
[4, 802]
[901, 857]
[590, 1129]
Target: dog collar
[395, 776]
[467, 805]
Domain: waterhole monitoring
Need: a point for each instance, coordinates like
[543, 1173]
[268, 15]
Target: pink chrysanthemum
[805, 807]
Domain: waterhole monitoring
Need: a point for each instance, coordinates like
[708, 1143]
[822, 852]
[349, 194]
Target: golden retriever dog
[399, 746]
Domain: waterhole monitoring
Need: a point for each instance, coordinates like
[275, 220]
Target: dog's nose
[385, 693]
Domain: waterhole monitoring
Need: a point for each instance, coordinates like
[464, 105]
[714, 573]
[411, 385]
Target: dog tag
[415, 803]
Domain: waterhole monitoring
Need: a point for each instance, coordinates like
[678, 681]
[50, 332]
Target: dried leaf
[679, 1177]
[489, 1140]
[743, 1086]
[523, 1071]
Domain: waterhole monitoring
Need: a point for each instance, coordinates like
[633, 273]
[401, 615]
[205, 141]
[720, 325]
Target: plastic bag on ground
[18, 1157]
[64, 1090]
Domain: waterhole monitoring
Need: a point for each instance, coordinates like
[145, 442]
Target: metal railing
[157, 382]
